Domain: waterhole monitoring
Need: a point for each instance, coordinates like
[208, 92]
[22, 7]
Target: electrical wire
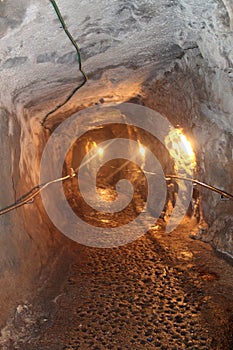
[169, 177]
[61, 19]
[35, 191]
[203, 184]
[29, 196]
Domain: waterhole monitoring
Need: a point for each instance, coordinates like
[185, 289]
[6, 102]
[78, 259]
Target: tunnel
[156, 76]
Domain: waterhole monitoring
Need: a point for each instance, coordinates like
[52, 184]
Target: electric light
[142, 150]
[186, 145]
[100, 151]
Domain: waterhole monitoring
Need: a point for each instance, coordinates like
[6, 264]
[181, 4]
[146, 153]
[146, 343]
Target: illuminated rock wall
[174, 55]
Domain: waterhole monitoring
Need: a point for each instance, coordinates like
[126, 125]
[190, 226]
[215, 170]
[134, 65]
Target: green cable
[59, 15]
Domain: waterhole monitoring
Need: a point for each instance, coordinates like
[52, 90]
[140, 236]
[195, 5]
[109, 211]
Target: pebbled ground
[163, 291]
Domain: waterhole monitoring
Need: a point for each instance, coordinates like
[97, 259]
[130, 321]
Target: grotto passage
[165, 290]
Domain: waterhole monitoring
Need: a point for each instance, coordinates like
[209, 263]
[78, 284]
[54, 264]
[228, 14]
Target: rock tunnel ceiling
[174, 57]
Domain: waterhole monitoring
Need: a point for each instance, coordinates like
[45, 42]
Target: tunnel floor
[163, 291]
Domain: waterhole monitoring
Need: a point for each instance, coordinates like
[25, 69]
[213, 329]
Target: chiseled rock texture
[174, 55]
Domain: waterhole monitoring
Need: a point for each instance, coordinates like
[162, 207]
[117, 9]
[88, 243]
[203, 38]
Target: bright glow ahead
[98, 117]
[100, 151]
[142, 150]
[186, 145]
[181, 149]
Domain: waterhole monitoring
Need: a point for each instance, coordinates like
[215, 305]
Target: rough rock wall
[184, 96]
[30, 246]
[38, 67]
[211, 23]
[197, 95]
[128, 47]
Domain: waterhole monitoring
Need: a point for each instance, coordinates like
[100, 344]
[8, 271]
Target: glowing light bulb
[142, 150]
[186, 145]
[181, 150]
[100, 151]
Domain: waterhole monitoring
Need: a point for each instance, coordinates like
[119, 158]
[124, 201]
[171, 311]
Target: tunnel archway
[185, 75]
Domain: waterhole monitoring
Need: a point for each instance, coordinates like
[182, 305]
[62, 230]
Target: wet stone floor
[163, 291]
